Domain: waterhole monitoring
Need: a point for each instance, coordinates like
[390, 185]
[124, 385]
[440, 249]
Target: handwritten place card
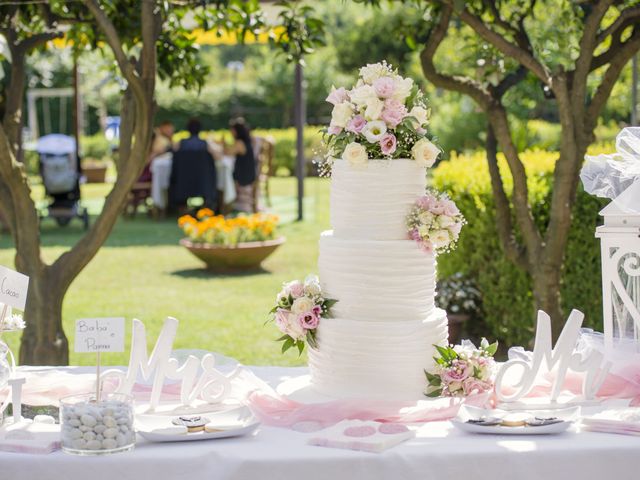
[13, 288]
[94, 335]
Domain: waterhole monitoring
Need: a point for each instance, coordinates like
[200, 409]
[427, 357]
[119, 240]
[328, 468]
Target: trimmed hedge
[509, 310]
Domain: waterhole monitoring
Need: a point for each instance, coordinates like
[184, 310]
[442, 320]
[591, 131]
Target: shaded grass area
[142, 272]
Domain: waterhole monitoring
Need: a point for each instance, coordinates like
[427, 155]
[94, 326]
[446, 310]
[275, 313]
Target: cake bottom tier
[383, 360]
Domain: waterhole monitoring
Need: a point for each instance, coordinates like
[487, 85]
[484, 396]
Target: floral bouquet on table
[9, 321]
[383, 116]
[299, 308]
[435, 223]
[462, 370]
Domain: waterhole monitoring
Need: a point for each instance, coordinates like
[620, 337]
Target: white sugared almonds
[97, 427]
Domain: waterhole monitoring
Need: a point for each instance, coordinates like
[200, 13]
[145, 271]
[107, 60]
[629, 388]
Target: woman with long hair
[244, 171]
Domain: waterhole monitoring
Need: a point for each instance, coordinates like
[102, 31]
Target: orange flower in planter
[218, 230]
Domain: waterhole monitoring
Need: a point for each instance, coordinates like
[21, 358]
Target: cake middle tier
[377, 281]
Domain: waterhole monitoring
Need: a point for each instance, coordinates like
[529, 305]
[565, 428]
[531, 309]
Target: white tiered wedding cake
[370, 321]
[380, 339]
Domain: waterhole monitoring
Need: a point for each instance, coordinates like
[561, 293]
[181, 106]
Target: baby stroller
[60, 171]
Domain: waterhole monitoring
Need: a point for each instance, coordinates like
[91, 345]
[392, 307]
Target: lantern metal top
[624, 210]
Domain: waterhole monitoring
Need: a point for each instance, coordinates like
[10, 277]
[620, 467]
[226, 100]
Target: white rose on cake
[302, 305]
[312, 285]
[374, 109]
[355, 154]
[361, 95]
[420, 114]
[402, 89]
[425, 153]
[341, 114]
[439, 238]
[373, 71]
[374, 131]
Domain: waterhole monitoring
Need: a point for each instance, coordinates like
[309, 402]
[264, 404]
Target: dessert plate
[502, 430]
[231, 423]
[563, 420]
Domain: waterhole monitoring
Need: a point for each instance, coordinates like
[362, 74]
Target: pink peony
[388, 144]
[393, 112]
[309, 320]
[356, 124]
[334, 130]
[317, 310]
[458, 371]
[384, 86]
[450, 208]
[295, 289]
[337, 95]
[426, 202]
[437, 208]
[473, 385]
[282, 320]
[415, 235]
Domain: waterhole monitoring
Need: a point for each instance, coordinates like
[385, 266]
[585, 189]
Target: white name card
[13, 288]
[99, 335]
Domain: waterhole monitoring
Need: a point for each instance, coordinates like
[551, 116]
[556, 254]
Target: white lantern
[620, 247]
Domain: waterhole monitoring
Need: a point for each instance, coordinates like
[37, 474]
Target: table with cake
[384, 395]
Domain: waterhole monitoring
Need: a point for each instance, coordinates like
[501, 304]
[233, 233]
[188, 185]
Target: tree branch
[111, 35]
[504, 225]
[588, 43]
[616, 64]
[69, 265]
[460, 84]
[623, 20]
[507, 48]
[497, 116]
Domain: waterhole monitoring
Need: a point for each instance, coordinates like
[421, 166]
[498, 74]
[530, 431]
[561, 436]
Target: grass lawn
[141, 272]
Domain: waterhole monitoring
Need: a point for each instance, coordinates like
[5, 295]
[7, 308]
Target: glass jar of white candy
[88, 427]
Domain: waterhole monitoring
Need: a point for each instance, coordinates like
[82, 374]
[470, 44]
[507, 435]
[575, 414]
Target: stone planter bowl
[241, 257]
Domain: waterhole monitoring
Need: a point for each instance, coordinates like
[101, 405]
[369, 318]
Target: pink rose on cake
[309, 320]
[356, 124]
[384, 86]
[388, 144]
[393, 113]
[338, 95]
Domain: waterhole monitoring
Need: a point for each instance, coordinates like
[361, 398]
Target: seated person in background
[193, 172]
[163, 141]
[244, 172]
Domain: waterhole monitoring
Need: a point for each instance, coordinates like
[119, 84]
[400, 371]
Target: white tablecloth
[161, 174]
[439, 452]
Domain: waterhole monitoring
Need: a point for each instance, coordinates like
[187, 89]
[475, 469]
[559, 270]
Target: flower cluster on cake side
[384, 116]
[435, 223]
[300, 306]
[462, 370]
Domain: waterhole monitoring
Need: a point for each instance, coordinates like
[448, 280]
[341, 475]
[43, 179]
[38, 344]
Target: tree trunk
[43, 340]
[546, 293]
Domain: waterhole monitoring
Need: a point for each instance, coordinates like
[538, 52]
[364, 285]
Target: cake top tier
[371, 201]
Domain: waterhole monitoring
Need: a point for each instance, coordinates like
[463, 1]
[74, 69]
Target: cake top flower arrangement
[300, 306]
[216, 229]
[384, 116]
[462, 370]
